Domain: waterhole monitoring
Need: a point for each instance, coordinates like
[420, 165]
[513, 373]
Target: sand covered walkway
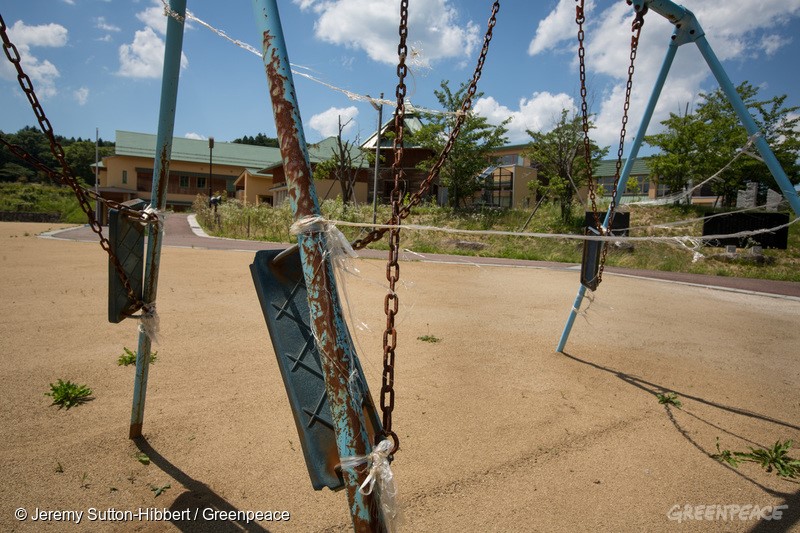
[499, 432]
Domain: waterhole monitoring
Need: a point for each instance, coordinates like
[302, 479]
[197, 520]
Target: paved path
[179, 232]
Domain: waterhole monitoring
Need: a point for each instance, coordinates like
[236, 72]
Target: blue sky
[97, 63]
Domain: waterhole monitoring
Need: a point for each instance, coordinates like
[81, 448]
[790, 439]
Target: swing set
[339, 426]
[687, 30]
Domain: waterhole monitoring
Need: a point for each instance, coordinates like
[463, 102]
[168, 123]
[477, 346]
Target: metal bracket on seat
[126, 239]
[283, 295]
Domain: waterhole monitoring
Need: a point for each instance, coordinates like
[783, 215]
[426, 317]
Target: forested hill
[80, 154]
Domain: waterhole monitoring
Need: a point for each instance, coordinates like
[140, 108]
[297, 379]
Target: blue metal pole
[747, 120]
[623, 179]
[166, 124]
[327, 321]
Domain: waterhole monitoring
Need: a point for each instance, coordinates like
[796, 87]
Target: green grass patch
[773, 459]
[68, 394]
[39, 198]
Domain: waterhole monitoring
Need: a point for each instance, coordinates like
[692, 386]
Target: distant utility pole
[379, 108]
[97, 205]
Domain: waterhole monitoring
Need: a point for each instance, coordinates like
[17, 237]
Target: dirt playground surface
[498, 431]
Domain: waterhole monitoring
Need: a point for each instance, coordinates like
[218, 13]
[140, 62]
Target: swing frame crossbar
[687, 30]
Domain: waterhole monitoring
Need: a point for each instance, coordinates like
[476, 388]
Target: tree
[343, 166]
[697, 145]
[258, 140]
[472, 150]
[80, 157]
[558, 155]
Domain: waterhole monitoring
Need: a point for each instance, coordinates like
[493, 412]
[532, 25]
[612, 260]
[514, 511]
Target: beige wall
[116, 166]
[328, 189]
[255, 186]
[523, 197]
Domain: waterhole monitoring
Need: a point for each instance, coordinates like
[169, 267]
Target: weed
[129, 357]
[429, 338]
[669, 398]
[59, 468]
[159, 490]
[68, 394]
[143, 458]
[85, 481]
[774, 458]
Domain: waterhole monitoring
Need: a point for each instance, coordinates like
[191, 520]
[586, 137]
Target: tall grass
[38, 198]
[272, 224]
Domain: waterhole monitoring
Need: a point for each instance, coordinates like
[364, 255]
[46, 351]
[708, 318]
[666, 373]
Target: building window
[124, 177]
[510, 159]
[184, 182]
[201, 183]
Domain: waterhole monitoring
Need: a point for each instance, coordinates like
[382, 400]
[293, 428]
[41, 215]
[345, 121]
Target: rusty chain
[391, 302]
[636, 28]
[66, 176]
[466, 105]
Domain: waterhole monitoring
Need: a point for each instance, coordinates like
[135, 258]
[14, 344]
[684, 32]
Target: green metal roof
[323, 151]
[196, 151]
[607, 168]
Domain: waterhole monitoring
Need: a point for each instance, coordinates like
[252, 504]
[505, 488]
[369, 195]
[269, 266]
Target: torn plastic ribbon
[149, 322]
[380, 474]
[337, 245]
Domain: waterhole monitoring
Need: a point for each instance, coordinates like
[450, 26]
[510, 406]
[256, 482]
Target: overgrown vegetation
[775, 458]
[68, 394]
[42, 198]
[272, 224]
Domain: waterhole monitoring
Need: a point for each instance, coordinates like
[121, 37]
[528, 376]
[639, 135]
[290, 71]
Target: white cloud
[81, 95]
[144, 57]
[327, 122]
[69, 2]
[195, 136]
[772, 43]
[105, 38]
[539, 112]
[736, 29]
[42, 73]
[556, 27]
[153, 17]
[53, 35]
[101, 24]
[369, 25]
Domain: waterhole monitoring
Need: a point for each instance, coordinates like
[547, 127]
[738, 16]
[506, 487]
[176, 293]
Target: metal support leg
[626, 170]
[747, 121]
[166, 126]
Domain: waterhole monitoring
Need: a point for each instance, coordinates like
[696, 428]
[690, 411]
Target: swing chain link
[66, 177]
[391, 302]
[416, 198]
[636, 28]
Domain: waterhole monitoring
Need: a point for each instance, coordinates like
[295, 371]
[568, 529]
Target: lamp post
[210, 166]
[379, 108]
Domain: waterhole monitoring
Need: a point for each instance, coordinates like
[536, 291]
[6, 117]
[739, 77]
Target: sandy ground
[499, 432]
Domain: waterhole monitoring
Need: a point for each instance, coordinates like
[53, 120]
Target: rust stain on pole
[326, 318]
